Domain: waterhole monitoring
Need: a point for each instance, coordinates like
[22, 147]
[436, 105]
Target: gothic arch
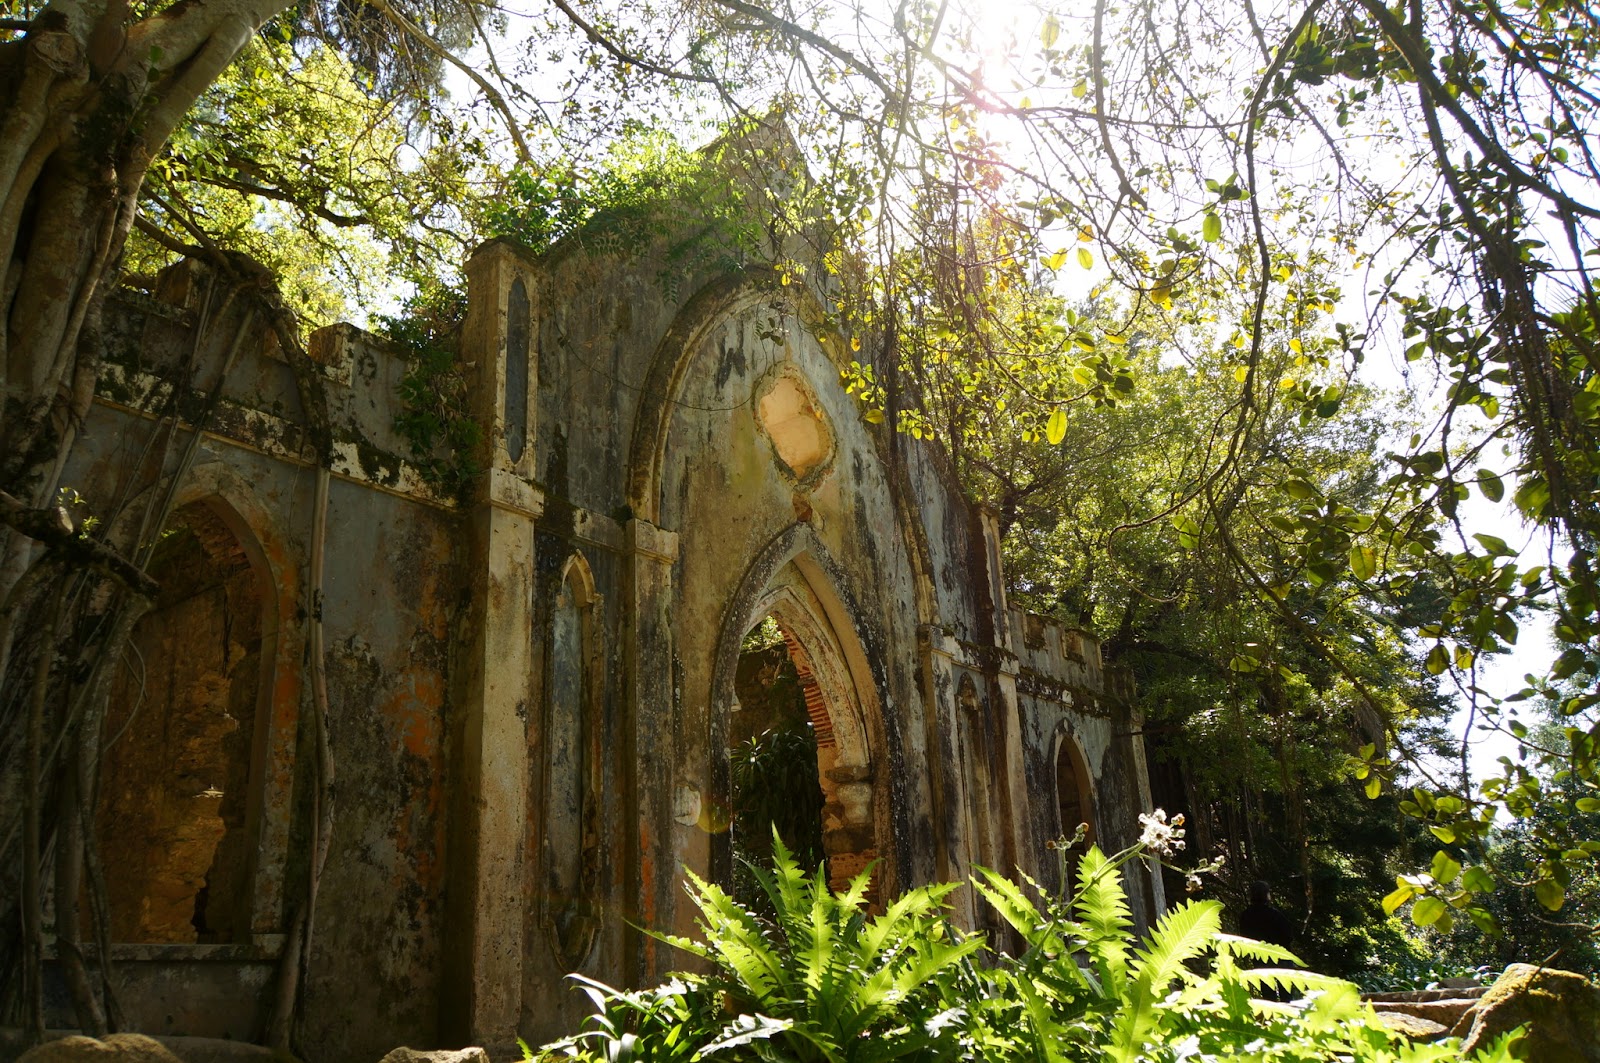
[570, 835]
[1074, 787]
[647, 451]
[187, 773]
[722, 298]
[791, 581]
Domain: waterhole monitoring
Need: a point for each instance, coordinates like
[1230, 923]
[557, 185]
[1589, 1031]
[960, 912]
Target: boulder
[1444, 1012]
[1413, 1026]
[1560, 1008]
[443, 1055]
[118, 1048]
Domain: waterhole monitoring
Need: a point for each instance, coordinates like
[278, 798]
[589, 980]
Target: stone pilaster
[651, 871]
[485, 917]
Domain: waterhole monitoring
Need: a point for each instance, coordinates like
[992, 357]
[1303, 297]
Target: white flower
[1159, 836]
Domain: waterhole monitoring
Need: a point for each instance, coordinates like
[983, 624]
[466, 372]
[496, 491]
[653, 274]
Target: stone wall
[530, 688]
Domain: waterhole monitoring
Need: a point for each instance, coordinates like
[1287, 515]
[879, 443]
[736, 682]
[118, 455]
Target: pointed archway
[789, 586]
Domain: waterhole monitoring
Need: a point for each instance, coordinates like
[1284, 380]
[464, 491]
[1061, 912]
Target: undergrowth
[827, 979]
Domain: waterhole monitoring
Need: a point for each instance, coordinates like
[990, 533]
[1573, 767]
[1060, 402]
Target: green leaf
[1427, 911]
[1550, 893]
[1363, 562]
[1188, 531]
[1494, 544]
[1493, 488]
[1056, 428]
[1211, 228]
[1443, 869]
[1085, 258]
[1374, 787]
[1438, 660]
[1392, 901]
[1588, 804]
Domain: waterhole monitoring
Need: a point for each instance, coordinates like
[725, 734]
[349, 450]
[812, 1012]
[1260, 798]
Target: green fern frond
[1183, 933]
[1012, 904]
[1256, 951]
[1103, 907]
[1290, 979]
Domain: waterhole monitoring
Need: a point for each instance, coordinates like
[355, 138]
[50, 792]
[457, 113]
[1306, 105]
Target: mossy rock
[1561, 1010]
[118, 1048]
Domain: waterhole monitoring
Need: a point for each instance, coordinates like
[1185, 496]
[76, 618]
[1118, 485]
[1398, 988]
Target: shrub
[826, 980]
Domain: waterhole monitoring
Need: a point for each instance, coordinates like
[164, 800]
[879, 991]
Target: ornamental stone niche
[792, 421]
[530, 685]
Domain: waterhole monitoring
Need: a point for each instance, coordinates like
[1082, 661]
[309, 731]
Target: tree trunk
[87, 99]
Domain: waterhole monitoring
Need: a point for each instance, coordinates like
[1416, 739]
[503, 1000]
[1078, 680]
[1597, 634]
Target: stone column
[1017, 838]
[483, 944]
[940, 654]
[648, 768]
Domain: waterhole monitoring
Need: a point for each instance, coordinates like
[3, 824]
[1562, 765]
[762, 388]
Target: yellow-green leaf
[1427, 911]
[1393, 901]
[1057, 260]
[1085, 258]
[1444, 869]
[1211, 229]
[1363, 562]
[1050, 31]
[1551, 893]
[1055, 430]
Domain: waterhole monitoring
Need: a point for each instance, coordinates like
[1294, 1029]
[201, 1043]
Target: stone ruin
[532, 689]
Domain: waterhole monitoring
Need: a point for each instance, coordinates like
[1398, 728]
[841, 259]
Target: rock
[1413, 1026]
[1464, 982]
[1444, 1012]
[1562, 1010]
[118, 1048]
[443, 1055]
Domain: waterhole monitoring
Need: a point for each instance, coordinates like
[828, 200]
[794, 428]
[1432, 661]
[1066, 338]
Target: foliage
[250, 171]
[1256, 689]
[435, 419]
[825, 979]
[775, 794]
[733, 204]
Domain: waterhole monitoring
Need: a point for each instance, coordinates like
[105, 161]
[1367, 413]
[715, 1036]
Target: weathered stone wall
[529, 688]
[391, 592]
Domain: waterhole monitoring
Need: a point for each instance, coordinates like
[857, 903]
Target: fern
[1107, 919]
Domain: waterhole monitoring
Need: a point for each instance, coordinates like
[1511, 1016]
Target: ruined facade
[531, 691]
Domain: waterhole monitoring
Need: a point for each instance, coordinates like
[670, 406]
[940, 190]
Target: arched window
[180, 731]
[518, 329]
[572, 812]
[970, 728]
[1074, 797]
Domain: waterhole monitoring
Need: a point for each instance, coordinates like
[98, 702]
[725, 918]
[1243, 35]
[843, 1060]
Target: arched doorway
[796, 712]
[1074, 801]
[181, 723]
